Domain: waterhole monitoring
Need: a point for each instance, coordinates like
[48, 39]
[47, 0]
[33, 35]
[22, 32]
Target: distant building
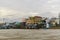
[54, 21]
[35, 19]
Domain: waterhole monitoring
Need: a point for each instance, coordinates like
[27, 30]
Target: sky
[17, 9]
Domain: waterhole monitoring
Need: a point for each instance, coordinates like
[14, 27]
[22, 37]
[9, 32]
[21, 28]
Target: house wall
[33, 20]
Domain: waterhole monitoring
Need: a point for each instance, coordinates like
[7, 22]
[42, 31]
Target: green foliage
[18, 25]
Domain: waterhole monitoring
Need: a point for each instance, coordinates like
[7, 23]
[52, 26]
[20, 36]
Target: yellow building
[35, 19]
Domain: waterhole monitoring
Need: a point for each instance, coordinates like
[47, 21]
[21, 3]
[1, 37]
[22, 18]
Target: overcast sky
[24, 8]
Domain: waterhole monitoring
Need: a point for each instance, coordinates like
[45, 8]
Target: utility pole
[59, 18]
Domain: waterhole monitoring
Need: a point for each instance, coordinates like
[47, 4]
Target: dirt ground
[29, 34]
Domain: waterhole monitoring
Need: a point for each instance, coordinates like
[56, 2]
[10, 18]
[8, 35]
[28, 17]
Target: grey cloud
[23, 8]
